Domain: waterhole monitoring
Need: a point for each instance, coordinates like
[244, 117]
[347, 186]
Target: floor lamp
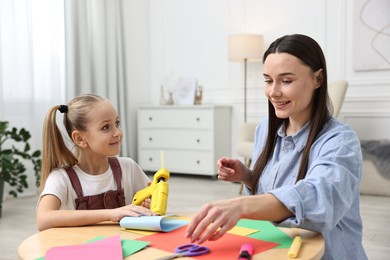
[244, 47]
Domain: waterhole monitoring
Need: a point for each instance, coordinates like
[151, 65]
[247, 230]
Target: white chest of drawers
[193, 138]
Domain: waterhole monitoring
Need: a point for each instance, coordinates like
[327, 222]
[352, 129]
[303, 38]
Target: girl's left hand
[146, 203]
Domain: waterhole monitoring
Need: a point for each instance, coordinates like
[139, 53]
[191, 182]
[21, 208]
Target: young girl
[90, 185]
[307, 166]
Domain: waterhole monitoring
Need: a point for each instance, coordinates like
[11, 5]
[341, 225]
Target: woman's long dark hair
[310, 53]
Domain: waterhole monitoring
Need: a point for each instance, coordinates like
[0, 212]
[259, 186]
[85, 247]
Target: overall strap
[75, 181]
[116, 170]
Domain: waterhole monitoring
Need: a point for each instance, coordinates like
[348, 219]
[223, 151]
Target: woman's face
[290, 86]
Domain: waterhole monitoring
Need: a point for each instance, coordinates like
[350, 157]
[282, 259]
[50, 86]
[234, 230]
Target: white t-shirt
[59, 185]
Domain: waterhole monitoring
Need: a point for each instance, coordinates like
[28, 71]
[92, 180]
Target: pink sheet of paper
[109, 248]
[227, 247]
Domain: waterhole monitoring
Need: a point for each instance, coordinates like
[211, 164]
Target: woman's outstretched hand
[213, 220]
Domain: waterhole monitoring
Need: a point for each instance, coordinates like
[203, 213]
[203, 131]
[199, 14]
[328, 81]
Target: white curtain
[32, 65]
[95, 54]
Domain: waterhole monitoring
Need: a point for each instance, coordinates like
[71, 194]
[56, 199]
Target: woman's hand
[233, 170]
[213, 220]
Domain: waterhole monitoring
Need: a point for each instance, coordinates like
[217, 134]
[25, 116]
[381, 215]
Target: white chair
[336, 91]
[245, 143]
[244, 148]
[246, 137]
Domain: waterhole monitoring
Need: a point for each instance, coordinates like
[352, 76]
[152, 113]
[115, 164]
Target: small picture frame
[186, 91]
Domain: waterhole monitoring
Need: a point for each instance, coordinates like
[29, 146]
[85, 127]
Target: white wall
[189, 39]
[137, 40]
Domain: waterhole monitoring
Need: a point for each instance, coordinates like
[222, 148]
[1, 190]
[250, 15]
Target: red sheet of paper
[109, 248]
[224, 248]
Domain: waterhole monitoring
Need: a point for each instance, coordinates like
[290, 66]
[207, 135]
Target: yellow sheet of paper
[242, 231]
[139, 232]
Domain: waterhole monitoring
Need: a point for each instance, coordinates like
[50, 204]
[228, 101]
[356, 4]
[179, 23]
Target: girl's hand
[130, 210]
[146, 203]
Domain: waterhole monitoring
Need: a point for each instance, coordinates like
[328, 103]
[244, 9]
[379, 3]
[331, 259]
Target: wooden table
[36, 245]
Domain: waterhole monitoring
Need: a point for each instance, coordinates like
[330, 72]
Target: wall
[137, 39]
[189, 39]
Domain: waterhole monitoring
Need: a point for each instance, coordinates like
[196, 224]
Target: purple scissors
[188, 250]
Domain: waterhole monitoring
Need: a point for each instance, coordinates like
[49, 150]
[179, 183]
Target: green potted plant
[15, 152]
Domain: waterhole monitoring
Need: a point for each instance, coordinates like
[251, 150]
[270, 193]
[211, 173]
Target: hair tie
[63, 108]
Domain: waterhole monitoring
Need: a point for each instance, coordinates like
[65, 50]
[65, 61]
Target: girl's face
[103, 135]
[290, 86]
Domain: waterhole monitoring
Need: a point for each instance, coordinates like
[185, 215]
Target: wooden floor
[188, 193]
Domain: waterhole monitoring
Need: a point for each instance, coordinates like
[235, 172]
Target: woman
[307, 165]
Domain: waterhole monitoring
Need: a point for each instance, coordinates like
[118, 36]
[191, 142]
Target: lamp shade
[245, 46]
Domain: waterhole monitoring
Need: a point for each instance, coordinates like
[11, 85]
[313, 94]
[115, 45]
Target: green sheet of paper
[267, 232]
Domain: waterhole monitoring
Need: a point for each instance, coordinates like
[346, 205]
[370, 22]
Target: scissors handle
[186, 247]
[188, 250]
[201, 250]
[192, 250]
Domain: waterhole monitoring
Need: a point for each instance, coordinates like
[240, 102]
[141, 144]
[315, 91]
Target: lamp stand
[245, 89]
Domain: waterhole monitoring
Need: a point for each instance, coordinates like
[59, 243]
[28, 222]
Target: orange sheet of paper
[226, 247]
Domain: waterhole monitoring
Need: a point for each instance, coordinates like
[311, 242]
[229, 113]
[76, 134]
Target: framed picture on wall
[371, 35]
[186, 91]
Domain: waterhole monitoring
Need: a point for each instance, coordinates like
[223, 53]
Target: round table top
[36, 245]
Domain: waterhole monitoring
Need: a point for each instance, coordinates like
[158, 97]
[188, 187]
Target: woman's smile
[280, 104]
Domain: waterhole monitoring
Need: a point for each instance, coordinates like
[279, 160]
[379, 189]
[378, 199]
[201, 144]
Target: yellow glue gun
[158, 191]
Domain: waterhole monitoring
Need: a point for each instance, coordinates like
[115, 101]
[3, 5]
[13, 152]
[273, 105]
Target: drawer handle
[150, 139]
[197, 161]
[198, 119]
[150, 118]
[150, 159]
[198, 140]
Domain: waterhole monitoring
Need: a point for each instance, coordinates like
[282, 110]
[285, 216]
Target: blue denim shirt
[327, 200]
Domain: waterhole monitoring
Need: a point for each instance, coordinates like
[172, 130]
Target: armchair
[336, 91]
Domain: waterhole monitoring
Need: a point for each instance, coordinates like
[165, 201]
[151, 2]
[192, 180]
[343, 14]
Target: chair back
[336, 91]
[246, 137]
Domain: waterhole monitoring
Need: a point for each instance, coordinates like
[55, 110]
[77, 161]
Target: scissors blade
[171, 256]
